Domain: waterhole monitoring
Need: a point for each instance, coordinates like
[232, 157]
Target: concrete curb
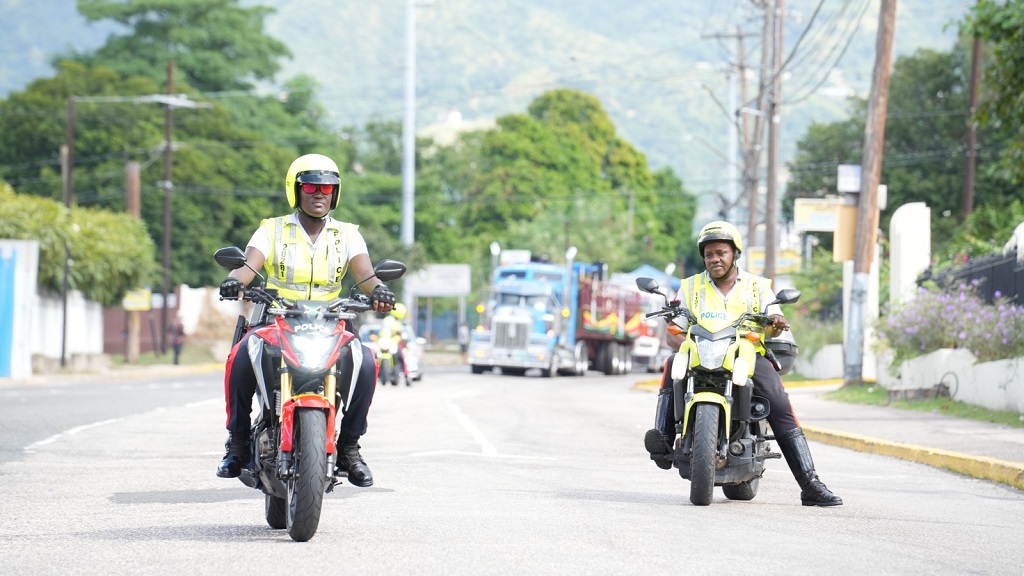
[1011, 473]
[1002, 471]
[157, 370]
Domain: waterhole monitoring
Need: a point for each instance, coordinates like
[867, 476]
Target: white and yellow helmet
[312, 169]
[719, 231]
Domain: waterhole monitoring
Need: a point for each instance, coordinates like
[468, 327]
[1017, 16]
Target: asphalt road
[474, 475]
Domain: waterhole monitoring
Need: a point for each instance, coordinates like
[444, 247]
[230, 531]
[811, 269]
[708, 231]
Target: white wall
[84, 325]
[996, 385]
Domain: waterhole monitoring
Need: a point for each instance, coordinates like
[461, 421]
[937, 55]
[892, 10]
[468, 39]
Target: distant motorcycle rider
[725, 288]
[305, 256]
[393, 329]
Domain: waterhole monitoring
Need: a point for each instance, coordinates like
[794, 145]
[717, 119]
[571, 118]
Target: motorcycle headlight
[712, 352]
[312, 351]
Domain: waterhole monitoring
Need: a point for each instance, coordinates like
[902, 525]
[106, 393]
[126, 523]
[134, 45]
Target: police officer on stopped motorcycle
[723, 287]
[305, 256]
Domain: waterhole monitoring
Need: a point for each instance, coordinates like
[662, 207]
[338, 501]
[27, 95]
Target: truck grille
[511, 335]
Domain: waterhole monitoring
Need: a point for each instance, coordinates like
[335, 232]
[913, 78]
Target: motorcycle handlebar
[349, 306]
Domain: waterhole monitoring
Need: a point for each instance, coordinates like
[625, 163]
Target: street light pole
[409, 128]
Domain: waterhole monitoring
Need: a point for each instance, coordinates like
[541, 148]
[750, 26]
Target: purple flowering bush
[935, 319]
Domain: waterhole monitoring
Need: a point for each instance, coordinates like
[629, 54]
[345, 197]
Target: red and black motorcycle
[303, 356]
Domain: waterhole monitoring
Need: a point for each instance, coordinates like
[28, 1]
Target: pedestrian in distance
[177, 340]
[463, 338]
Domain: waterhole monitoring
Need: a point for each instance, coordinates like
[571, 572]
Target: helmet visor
[318, 177]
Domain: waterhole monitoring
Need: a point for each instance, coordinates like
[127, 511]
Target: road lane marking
[475, 455]
[69, 432]
[486, 447]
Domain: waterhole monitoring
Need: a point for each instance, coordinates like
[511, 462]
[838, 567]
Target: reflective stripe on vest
[295, 271]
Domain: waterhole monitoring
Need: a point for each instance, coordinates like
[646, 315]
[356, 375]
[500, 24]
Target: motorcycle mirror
[388, 270]
[230, 257]
[648, 285]
[787, 296]
[233, 258]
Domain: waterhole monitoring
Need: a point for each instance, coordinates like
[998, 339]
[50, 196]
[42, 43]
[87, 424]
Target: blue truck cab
[523, 321]
[547, 316]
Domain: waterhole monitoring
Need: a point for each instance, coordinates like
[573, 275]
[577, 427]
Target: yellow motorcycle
[721, 427]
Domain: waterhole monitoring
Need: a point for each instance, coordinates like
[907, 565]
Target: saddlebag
[785, 350]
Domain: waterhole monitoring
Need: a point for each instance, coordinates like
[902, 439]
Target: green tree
[560, 176]
[924, 158]
[1001, 26]
[216, 45]
[109, 253]
[227, 176]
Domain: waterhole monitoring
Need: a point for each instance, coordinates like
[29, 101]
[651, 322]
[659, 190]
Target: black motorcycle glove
[382, 293]
[230, 288]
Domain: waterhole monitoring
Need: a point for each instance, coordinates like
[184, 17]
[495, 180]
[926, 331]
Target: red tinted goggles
[325, 189]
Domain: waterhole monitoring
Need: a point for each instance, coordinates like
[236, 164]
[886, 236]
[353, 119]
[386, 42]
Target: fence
[994, 274]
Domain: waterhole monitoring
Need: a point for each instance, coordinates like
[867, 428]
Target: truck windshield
[537, 302]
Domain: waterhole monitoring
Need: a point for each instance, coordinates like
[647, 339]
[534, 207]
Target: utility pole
[738, 127]
[972, 129]
[753, 161]
[67, 161]
[133, 206]
[774, 102]
[867, 208]
[167, 186]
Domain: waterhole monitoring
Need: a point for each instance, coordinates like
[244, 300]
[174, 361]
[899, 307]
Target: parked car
[414, 347]
[650, 354]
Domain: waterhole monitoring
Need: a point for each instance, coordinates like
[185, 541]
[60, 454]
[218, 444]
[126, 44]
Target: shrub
[961, 319]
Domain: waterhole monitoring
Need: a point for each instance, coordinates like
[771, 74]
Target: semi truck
[561, 319]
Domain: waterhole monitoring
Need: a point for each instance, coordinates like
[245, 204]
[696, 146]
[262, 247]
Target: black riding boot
[350, 461]
[658, 440]
[798, 455]
[237, 455]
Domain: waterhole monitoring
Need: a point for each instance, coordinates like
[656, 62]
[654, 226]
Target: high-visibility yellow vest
[715, 313]
[296, 272]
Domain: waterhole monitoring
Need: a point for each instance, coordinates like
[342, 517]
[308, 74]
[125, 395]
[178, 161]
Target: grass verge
[879, 396]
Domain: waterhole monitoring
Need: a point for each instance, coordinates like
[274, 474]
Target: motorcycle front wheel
[387, 370]
[704, 452]
[307, 484]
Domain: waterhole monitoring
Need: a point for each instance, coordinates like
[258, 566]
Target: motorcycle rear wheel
[743, 491]
[276, 511]
[702, 457]
[307, 484]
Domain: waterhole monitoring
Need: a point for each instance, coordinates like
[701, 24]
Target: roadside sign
[440, 280]
[848, 178]
[137, 300]
[815, 214]
[787, 261]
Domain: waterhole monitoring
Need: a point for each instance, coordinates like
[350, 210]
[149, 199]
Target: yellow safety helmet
[398, 312]
[719, 231]
[312, 169]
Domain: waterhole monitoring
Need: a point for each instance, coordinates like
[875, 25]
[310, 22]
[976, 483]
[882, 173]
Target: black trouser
[240, 386]
[767, 384]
